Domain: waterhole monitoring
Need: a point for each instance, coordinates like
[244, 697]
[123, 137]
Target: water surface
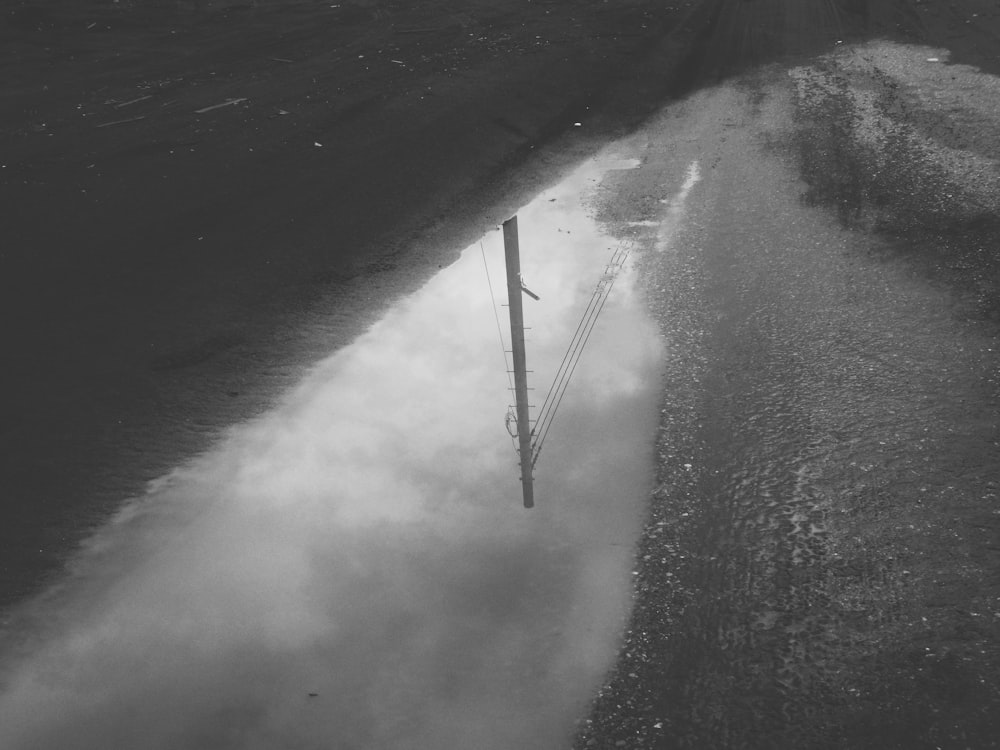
[354, 567]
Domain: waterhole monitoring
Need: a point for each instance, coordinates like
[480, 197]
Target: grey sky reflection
[364, 541]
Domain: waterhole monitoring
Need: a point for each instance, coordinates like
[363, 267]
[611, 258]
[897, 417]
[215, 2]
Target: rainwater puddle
[354, 569]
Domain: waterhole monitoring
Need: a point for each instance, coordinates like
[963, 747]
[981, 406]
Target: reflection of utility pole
[514, 290]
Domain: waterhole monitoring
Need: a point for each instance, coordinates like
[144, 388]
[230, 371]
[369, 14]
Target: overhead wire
[544, 413]
[496, 316]
[571, 358]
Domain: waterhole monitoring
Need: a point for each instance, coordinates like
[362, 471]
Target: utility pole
[514, 290]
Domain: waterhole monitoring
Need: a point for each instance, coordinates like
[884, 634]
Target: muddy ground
[167, 262]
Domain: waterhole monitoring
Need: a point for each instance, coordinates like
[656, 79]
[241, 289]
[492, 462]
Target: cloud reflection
[354, 568]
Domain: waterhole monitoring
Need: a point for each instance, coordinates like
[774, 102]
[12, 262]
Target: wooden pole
[513, 257]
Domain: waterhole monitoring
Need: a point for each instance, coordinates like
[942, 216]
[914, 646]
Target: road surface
[819, 567]
[203, 199]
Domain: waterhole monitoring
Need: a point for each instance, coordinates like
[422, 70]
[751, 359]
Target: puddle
[355, 566]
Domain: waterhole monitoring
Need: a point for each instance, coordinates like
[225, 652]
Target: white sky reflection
[365, 541]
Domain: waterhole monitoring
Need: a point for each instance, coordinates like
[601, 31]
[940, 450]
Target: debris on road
[121, 122]
[227, 103]
[134, 101]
